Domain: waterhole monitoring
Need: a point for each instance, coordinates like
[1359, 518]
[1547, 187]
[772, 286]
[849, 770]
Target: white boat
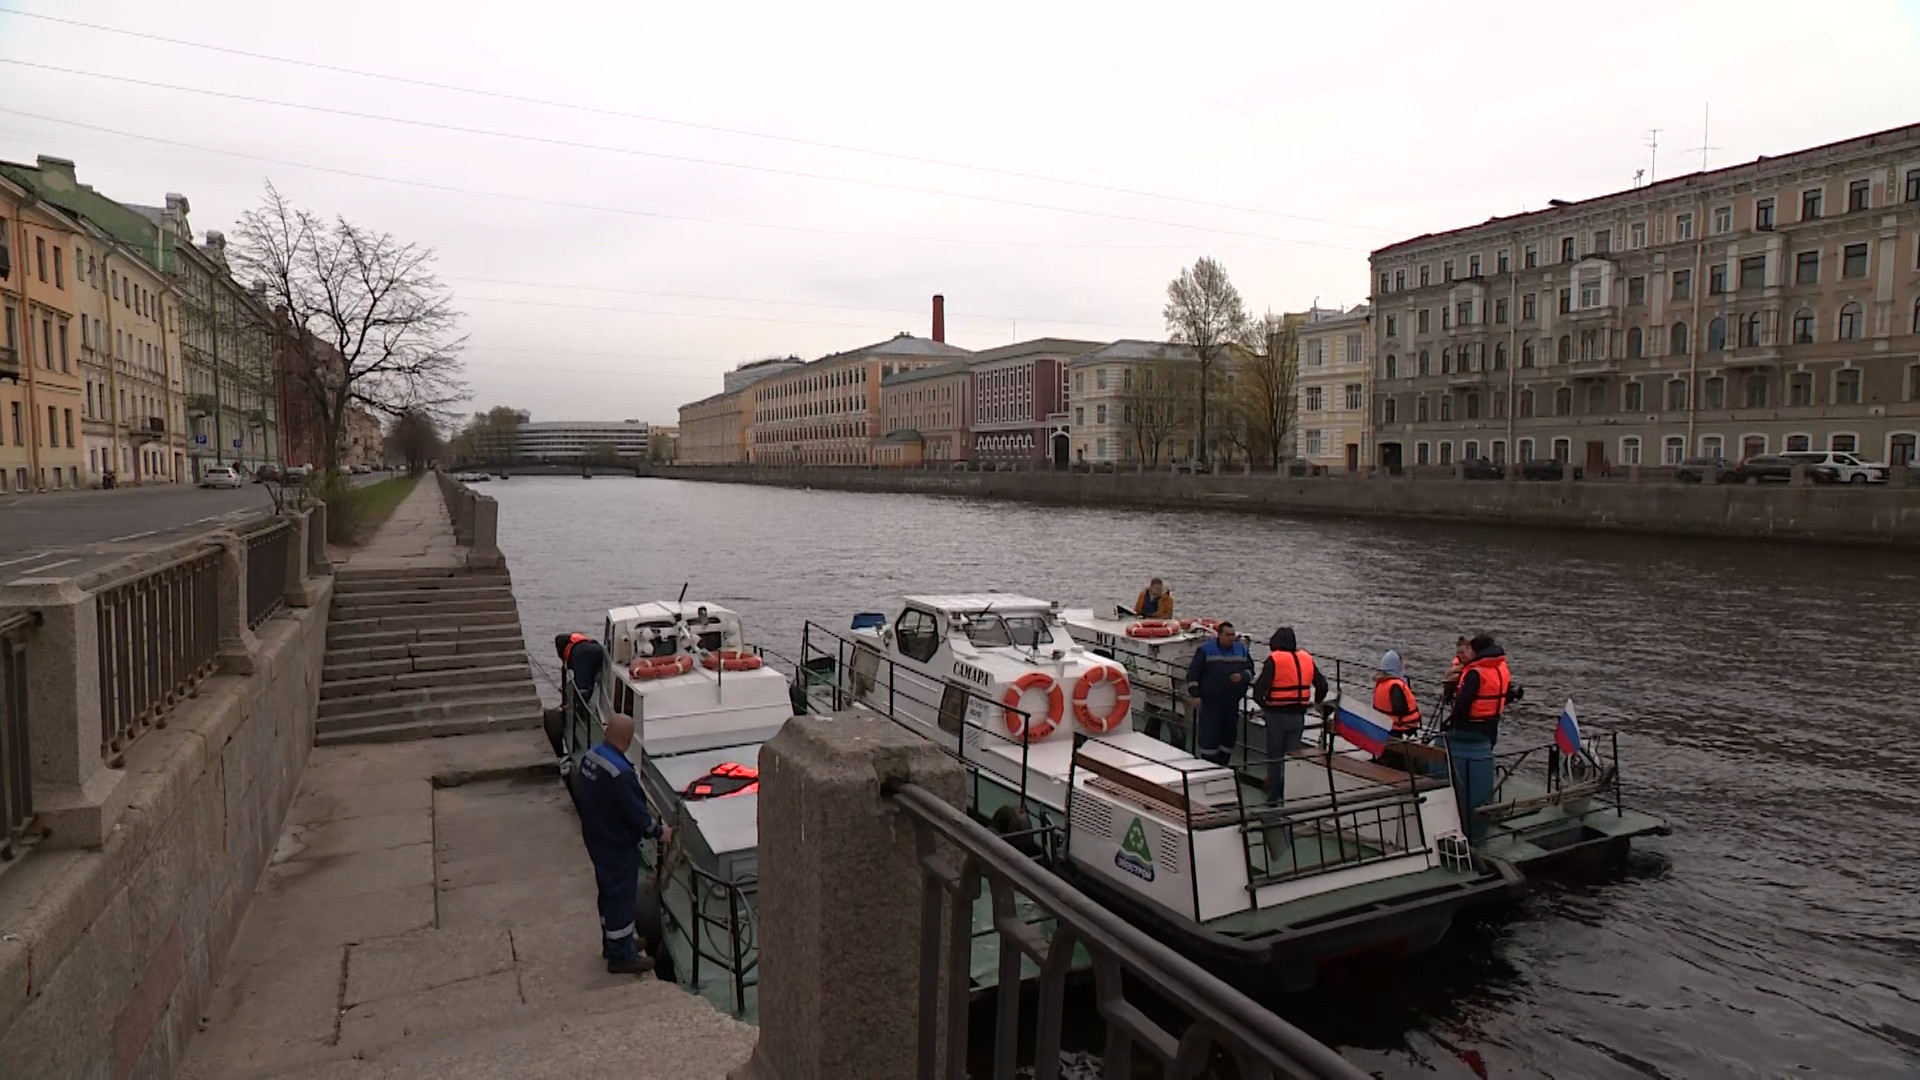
[1155, 653]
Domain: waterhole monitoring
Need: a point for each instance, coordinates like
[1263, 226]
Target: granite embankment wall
[1883, 515]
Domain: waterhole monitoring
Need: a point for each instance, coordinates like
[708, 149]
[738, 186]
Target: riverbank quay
[1886, 515]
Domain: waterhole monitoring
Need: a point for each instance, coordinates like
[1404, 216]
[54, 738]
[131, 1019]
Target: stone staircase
[420, 653]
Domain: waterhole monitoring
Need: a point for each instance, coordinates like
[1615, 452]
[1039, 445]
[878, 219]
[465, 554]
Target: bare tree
[490, 437]
[1204, 311]
[413, 439]
[1154, 400]
[1264, 389]
[361, 315]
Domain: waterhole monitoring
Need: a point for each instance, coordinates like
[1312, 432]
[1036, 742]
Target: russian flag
[1363, 727]
[1566, 734]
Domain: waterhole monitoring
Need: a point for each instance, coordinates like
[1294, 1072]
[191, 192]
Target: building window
[1632, 397]
[1636, 290]
[1353, 354]
[1710, 446]
[1473, 266]
[1750, 331]
[1499, 404]
[1530, 256]
[1388, 411]
[1916, 315]
[1423, 321]
[1853, 261]
[1393, 366]
[1677, 339]
[1316, 353]
[1716, 393]
[1756, 391]
[1589, 295]
[1795, 443]
[1316, 442]
[1806, 268]
[1529, 308]
[1446, 270]
[1846, 386]
[1683, 284]
[1566, 249]
[1446, 318]
[1717, 334]
[1526, 449]
[1752, 445]
[1673, 450]
[1471, 450]
[1526, 353]
[1596, 398]
[1446, 453]
[1566, 348]
[1676, 395]
[1859, 195]
[1844, 443]
[1683, 226]
[1763, 214]
[1313, 398]
[59, 268]
[1753, 272]
[1446, 407]
[1473, 406]
[1353, 397]
[1500, 310]
[1803, 327]
[1630, 450]
[1850, 319]
[1590, 345]
[1422, 454]
[1420, 410]
[1393, 326]
[1499, 356]
[1913, 185]
[1799, 389]
[40, 257]
[1426, 363]
[1810, 204]
[1563, 450]
[1633, 343]
[1563, 401]
[1503, 260]
[1566, 301]
[1383, 282]
[1446, 361]
[1399, 281]
[1637, 235]
[1424, 274]
[1526, 403]
[1722, 220]
[1716, 279]
[1602, 241]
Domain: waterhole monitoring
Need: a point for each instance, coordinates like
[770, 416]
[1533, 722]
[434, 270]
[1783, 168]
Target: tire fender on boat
[1040, 725]
[1093, 723]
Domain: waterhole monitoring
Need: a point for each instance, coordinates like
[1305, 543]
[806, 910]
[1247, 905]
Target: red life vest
[1490, 699]
[1403, 723]
[1292, 680]
[572, 640]
[724, 779]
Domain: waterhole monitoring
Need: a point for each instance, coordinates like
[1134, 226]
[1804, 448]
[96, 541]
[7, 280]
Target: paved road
[66, 533]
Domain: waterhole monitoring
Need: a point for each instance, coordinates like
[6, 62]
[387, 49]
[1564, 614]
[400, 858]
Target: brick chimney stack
[939, 317]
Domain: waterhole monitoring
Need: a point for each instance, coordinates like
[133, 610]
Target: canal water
[1764, 696]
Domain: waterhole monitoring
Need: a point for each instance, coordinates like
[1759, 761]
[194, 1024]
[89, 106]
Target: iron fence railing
[267, 571]
[16, 761]
[159, 635]
[1218, 1019]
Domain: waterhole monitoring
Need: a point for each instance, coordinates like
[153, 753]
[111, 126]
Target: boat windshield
[999, 631]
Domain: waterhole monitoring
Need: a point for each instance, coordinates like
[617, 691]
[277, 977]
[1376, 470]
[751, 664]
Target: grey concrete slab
[354, 873]
[344, 836]
[410, 963]
[466, 1004]
[262, 1015]
[382, 798]
[285, 924]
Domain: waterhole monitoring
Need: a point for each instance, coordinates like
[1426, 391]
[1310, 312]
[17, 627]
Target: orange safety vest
[1403, 723]
[1491, 699]
[724, 779]
[1294, 694]
[572, 640]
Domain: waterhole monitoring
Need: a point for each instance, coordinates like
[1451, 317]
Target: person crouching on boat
[1393, 698]
[613, 821]
[1217, 678]
[1288, 681]
[1154, 602]
[1473, 728]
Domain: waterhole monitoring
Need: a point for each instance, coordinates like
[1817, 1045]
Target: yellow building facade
[42, 387]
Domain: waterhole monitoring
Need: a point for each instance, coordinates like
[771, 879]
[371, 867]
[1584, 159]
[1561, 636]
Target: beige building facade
[1126, 403]
[713, 430]
[924, 415]
[1768, 306]
[1330, 387]
[42, 407]
[128, 326]
[828, 411]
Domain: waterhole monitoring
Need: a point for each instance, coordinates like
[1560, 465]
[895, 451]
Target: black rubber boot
[632, 965]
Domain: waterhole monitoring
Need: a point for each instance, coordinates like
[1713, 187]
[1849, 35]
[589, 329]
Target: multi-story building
[1769, 306]
[827, 412]
[1330, 387]
[713, 430]
[41, 380]
[1020, 400]
[1129, 402]
[924, 414]
[754, 370]
[581, 441]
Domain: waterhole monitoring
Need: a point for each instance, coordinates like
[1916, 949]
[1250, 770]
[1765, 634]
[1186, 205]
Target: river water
[1762, 694]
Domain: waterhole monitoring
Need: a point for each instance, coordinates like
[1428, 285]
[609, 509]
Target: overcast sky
[617, 250]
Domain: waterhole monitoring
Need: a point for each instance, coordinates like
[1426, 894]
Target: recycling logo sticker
[1134, 856]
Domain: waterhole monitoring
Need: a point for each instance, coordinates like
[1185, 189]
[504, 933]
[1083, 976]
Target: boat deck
[1311, 909]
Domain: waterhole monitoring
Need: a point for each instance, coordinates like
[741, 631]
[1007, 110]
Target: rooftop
[1038, 347]
[1134, 349]
[975, 603]
[937, 371]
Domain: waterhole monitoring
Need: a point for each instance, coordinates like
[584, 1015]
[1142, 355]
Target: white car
[221, 477]
[1851, 469]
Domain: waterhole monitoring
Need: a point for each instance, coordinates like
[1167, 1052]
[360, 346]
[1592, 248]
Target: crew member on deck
[1462, 652]
[1217, 679]
[1473, 728]
[613, 821]
[1392, 697]
[1288, 680]
[1154, 602]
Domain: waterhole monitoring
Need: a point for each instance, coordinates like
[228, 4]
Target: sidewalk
[417, 536]
[408, 929]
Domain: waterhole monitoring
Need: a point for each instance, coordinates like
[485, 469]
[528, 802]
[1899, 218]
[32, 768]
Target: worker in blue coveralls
[613, 821]
[1217, 679]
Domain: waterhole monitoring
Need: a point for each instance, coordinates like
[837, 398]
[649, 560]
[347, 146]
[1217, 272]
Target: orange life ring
[660, 667]
[731, 659]
[1153, 628]
[1040, 726]
[1202, 623]
[1090, 722]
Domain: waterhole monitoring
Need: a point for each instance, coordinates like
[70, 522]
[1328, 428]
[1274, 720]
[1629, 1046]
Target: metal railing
[1217, 1016]
[16, 760]
[159, 634]
[267, 571]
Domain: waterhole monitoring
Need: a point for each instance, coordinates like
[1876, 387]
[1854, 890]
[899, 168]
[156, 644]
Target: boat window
[918, 634]
[995, 631]
[1029, 631]
[988, 632]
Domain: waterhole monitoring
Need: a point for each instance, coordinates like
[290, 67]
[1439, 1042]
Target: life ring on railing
[1040, 725]
[1153, 628]
[731, 659]
[661, 667]
[1091, 722]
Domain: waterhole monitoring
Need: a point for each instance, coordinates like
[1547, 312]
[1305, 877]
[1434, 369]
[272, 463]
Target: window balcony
[149, 429]
[1592, 369]
[200, 405]
[9, 364]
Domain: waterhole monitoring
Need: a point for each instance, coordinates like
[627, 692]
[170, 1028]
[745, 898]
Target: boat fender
[1153, 628]
[1041, 725]
[731, 659]
[1097, 724]
[1013, 823]
[660, 667]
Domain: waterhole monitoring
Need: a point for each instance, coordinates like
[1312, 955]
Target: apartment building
[42, 410]
[1130, 401]
[713, 430]
[925, 414]
[1020, 401]
[828, 411]
[1768, 306]
[1330, 387]
[581, 441]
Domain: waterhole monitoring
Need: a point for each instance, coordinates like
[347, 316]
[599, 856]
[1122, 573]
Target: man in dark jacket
[613, 821]
[1217, 678]
[1281, 690]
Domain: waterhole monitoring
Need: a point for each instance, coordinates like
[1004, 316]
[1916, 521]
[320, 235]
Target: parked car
[361, 470]
[1704, 470]
[1549, 470]
[1778, 469]
[1848, 468]
[1479, 468]
[1192, 465]
[267, 474]
[220, 476]
[296, 473]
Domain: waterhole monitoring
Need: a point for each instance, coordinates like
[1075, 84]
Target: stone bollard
[485, 552]
[1459, 472]
[318, 565]
[1798, 477]
[299, 594]
[839, 964]
[72, 787]
[1900, 476]
[237, 643]
[1566, 472]
[1633, 474]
